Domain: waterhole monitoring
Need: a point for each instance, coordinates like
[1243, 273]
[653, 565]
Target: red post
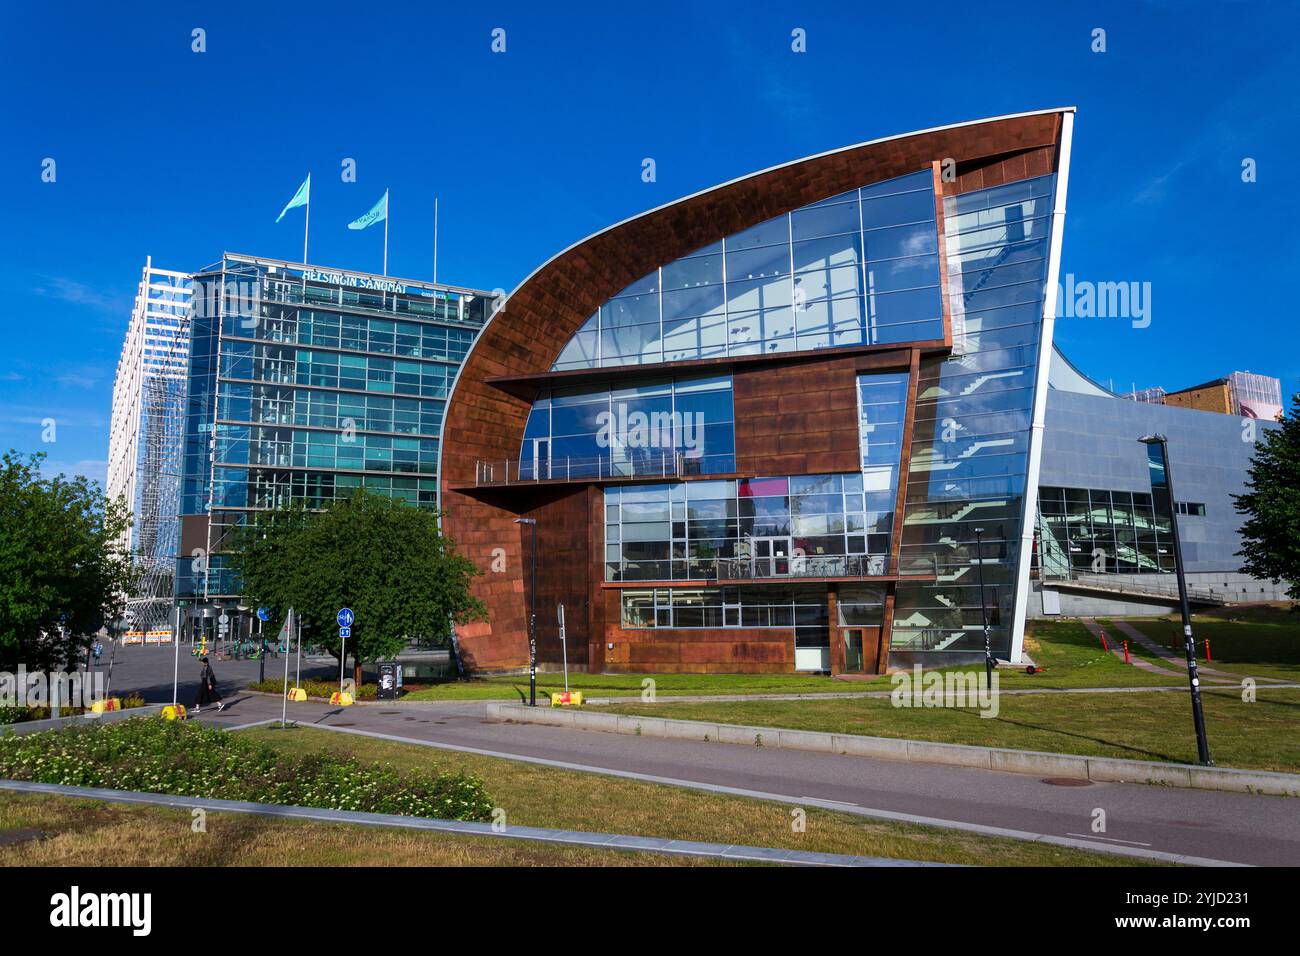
[1104, 645]
[1126, 660]
[1207, 651]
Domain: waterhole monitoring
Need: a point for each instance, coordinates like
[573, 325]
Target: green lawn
[1253, 641]
[92, 833]
[1070, 657]
[535, 795]
[630, 685]
[1263, 735]
[1068, 654]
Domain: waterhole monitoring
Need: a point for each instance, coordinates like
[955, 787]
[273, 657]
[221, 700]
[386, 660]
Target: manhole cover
[389, 713]
[1067, 782]
[14, 837]
[343, 723]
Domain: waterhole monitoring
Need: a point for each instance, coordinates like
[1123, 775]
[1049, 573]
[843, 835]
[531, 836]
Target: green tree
[63, 573]
[385, 559]
[1271, 505]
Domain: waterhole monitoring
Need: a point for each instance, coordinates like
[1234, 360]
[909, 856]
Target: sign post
[284, 633]
[345, 619]
[176, 659]
[564, 650]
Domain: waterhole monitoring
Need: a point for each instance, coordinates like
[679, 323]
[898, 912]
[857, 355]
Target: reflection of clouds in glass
[916, 244]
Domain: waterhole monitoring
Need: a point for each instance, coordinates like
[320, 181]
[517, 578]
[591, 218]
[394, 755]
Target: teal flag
[300, 198]
[377, 213]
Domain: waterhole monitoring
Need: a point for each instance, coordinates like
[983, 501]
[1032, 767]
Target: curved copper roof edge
[681, 201]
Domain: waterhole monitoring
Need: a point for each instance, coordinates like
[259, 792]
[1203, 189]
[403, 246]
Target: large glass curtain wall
[810, 526]
[882, 407]
[666, 427]
[858, 268]
[969, 456]
[749, 607]
[1091, 530]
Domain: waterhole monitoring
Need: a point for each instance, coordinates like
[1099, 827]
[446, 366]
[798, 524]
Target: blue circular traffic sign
[263, 614]
[346, 617]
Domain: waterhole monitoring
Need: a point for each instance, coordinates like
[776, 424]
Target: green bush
[18, 715]
[184, 759]
[314, 688]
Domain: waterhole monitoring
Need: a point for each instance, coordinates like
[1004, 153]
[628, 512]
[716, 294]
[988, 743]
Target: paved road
[148, 672]
[1227, 827]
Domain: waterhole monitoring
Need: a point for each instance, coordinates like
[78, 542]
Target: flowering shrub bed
[314, 688]
[175, 757]
[19, 715]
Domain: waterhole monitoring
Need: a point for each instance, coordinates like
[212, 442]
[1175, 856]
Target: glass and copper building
[306, 383]
[787, 423]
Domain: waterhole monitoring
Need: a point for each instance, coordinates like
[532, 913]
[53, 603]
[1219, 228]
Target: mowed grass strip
[1262, 735]
[94, 833]
[536, 795]
[1068, 655]
[515, 687]
[1250, 641]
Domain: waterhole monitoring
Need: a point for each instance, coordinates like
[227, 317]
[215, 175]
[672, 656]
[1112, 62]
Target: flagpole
[387, 213]
[306, 223]
[435, 240]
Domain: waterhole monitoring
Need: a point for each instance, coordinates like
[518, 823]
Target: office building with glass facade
[788, 423]
[307, 383]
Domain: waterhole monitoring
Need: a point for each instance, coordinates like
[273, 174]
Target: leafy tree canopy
[384, 559]
[1271, 505]
[63, 572]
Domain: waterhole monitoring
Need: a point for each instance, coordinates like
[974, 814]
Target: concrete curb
[54, 723]
[1075, 766]
[606, 841]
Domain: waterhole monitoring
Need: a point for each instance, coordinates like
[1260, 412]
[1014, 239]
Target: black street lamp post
[984, 609]
[532, 614]
[1198, 712]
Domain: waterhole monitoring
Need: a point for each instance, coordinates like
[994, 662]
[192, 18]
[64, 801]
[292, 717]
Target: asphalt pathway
[1140, 820]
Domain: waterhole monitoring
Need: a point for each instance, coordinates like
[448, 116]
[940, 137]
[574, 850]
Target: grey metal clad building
[1102, 547]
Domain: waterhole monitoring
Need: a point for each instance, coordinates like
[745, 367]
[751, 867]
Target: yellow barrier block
[297, 694]
[174, 712]
[343, 700]
[567, 699]
[104, 706]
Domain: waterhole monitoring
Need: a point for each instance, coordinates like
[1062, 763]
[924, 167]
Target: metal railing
[748, 569]
[666, 464]
[1119, 585]
[769, 568]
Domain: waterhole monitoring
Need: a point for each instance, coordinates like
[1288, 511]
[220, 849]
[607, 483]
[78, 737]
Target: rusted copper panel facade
[795, 413]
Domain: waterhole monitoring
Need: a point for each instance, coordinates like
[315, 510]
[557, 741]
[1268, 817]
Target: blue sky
[180, 155]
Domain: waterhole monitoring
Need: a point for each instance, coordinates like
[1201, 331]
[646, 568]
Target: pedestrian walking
[208, 689]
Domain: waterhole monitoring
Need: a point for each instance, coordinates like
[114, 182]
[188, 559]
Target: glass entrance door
[771, 557]
[852, 651]
[541, 458]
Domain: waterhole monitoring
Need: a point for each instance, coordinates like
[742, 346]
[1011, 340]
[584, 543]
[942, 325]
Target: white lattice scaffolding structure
[146, 439]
